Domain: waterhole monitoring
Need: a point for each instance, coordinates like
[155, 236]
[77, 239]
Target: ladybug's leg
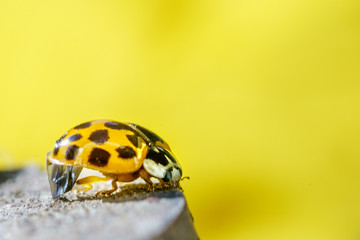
[165, 184]
[118, 178]
[114, 185]
[146, 176]
[87, 181]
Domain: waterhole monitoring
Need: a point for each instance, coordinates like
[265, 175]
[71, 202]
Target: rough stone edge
[182, 228]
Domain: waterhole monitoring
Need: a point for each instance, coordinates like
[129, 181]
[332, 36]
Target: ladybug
[122, 152]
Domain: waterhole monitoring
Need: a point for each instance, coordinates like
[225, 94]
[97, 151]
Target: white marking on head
[176, 175]
[154, 169]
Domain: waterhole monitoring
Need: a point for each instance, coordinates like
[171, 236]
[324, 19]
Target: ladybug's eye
[168, 175]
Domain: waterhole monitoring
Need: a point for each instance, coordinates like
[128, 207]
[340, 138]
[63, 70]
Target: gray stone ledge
[27, 211]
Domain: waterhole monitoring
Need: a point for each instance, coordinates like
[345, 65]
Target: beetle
[122, 152]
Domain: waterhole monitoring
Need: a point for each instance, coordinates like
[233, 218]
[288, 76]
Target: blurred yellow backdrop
[258, 99]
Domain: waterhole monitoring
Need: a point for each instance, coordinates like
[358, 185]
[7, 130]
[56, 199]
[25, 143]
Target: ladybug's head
[162, 164]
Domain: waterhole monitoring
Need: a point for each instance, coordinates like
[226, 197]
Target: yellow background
[258, 99]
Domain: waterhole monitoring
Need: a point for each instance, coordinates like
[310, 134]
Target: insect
[122, 152]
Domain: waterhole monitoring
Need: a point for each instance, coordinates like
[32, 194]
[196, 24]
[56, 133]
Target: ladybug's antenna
[185, 178]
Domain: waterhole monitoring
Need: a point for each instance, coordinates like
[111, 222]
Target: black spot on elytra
[168, 175]
[126, 152]
[158, 157]
[117, 125]
[99, 157]
[99, 136]
[75, 137]
[133, 139]
[57, 144]
[83, 125]
[71, 152]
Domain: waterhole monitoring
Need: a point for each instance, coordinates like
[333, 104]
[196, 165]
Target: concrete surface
[27, 211]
